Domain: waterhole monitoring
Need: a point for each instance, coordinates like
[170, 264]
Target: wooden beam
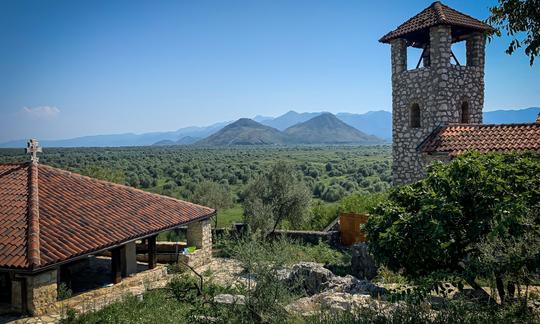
[455, 58]
[116, 266]
[152, 255]
[421, 57]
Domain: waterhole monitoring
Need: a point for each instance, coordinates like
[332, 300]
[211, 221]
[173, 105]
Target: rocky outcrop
[327, 291]
[362, 263]
[230, 299]
[312, 278]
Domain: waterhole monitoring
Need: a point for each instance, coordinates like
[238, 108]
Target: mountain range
[324, 128]
[376, 123]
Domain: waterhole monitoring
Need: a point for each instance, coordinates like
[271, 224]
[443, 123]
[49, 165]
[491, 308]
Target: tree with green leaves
[213, 195]
[276, 196]
[520, 19]
[451, 220]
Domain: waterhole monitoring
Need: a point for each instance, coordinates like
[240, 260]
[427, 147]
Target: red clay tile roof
[460, 138]
[436, 14]
[48, 215]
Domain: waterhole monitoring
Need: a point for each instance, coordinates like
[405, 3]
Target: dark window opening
[415, 115]
[465, 113]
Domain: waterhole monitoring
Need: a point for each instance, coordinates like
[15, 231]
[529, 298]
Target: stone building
[52, 221]
[439, 91]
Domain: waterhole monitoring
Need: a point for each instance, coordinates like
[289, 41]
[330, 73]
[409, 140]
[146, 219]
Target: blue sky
[71, 68]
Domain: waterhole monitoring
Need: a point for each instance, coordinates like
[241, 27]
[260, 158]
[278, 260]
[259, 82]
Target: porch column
[152, 255]
[116, 265]
[40, 292]
[129, 259]
[199, 234]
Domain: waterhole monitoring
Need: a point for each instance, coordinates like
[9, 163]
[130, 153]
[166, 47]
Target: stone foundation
[96, 299]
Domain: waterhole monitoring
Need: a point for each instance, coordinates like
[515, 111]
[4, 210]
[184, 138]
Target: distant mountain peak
[244, 131]
[244, 122]
[326, 128]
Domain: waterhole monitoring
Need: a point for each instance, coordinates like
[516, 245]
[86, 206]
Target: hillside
[244, 131]
[288, 119]
[186, 140]
[327, 129]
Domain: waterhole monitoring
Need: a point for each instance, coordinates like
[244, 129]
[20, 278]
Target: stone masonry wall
[439, 90]
[42, 291]
[199, 234]
[96, 299]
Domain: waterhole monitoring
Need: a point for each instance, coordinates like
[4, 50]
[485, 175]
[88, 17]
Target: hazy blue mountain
[129, 139]
[164, 143]
[527, 115]
[377, 123]
[328, 129]
[186, 140]
[289, 119]
[260, 119]
[244, 131]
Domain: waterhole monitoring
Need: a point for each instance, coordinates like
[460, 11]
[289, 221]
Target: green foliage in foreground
[476, 216]
[186, 301]
[161, 306]
[361, 203]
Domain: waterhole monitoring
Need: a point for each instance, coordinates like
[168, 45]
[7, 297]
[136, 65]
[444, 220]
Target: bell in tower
[439, 90]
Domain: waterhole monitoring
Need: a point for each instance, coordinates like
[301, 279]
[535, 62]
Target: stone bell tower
[440, 90]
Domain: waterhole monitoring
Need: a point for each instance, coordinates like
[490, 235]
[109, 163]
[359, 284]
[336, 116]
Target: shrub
[361, 203]
[438, 224]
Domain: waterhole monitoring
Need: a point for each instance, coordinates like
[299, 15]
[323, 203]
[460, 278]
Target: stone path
[226, 272]
[46, 319]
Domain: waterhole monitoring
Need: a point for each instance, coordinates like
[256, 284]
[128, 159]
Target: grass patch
[226, 217]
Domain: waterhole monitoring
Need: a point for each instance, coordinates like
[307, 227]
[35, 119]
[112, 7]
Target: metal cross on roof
[33, 148]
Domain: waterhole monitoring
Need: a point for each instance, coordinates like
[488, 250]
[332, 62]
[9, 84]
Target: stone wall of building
[439, 89]
[96, 299]
[41, 292]
[199, 234]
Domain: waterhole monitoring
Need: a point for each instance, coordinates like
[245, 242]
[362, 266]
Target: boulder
[334, 302]
[352, 285]
[362, 263]
[230, 299]
[314, 278]
[308, 276]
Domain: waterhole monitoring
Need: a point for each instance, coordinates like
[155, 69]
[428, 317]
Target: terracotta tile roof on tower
[48, 215]
[436, 14]
[460, 138]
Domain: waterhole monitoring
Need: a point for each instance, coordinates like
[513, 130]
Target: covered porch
[95, 275]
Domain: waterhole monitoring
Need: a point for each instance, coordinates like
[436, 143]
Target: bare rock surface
[230, 299]
[314, 278]
[363, 265]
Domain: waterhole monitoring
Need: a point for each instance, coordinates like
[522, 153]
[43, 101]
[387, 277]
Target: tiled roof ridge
[33, 248]
[439, 11]
[112, 184]
[491, 125]
[445, 7]
[390, 33]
